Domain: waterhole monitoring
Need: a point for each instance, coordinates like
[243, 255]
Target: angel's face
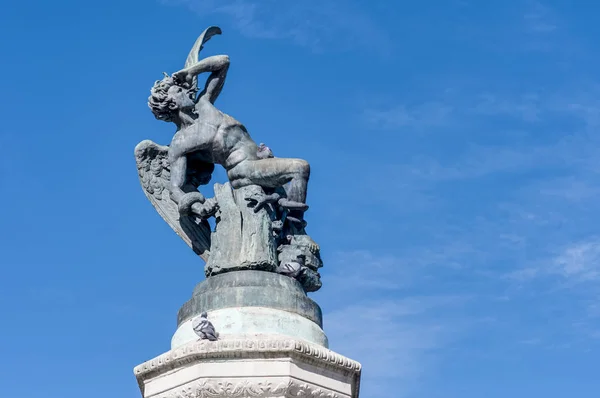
[180, 97]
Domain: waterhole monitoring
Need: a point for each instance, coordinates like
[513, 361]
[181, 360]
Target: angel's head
[168, 96]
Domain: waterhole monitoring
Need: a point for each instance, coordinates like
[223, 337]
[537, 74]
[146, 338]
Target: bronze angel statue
[259, 212]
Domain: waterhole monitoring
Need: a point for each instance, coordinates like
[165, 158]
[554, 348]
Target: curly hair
[159, 101]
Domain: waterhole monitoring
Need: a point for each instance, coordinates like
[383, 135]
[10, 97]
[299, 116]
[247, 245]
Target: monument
[249, 329]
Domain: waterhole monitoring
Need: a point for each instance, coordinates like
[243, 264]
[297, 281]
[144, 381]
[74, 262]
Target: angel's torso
[214, 137]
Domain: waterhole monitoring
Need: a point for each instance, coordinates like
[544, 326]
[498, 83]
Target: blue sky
[454, 188]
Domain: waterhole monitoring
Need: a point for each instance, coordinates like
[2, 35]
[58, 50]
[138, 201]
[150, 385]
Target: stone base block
[254, 320]
[258, 366]
[252, 302]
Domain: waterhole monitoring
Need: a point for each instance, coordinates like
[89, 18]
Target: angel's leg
[273, 173]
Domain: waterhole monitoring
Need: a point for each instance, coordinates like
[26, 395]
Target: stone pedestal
[257, 366]
[252, 302]
[271, 345]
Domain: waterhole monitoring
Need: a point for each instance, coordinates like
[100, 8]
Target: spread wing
[154, 173]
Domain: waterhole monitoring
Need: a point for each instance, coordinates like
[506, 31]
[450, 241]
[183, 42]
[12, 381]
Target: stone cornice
[241, 348]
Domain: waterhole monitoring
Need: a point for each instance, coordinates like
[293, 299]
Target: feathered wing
[192, 57]
[154, 173]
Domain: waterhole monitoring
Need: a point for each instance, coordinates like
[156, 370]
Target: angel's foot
[292, 205]
[298, 222]
[259, 200]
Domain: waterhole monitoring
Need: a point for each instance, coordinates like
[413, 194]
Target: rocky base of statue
[258, 366]
[252, 302]
[254, 233]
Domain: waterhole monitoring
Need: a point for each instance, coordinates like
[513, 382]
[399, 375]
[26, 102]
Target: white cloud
[579, 261]
[391, 338]
[309, 23]
[575, 263]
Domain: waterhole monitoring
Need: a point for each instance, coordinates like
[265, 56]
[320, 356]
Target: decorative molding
[242, 349]
[248, 388]
[298, 389]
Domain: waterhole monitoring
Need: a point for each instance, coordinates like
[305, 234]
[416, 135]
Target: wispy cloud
[423, 115]
[539, 18]
[339, 24]
[521, 173]
[472, 108]
[512, 168]
[395, 339]
[576, 263]
[580, 261]
[479, 161]
[526, 107]
[569, 283]
[544, 31]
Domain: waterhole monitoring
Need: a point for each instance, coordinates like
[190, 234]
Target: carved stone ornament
[258, 212]
[212, 388]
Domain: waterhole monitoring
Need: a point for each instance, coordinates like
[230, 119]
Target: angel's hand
[205, 210]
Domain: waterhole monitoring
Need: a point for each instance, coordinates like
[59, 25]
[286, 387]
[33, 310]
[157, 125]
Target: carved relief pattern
[216, 388]
[307, 390]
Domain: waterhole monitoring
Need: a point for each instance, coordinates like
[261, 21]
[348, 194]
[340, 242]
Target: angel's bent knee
[302, 167]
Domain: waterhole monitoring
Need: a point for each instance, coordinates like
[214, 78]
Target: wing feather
[192, 57]
[154, 173]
